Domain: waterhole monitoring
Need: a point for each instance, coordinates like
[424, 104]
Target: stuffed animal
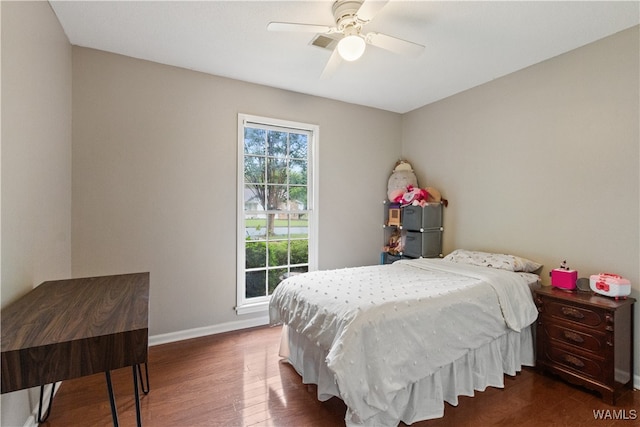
[401, 177]
[413, 196]
[436, 197]
[420, 197]
[433, 195]
[403, 188]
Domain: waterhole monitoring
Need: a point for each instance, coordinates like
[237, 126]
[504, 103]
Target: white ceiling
[467, 43]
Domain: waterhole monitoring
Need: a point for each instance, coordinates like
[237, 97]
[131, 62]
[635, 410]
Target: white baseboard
[32, 421]
[208, 330]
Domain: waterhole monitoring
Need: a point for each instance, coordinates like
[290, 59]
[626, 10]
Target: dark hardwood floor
[237, 379]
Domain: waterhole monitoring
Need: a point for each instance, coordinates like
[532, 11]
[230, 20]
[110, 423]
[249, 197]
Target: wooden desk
[66, 329]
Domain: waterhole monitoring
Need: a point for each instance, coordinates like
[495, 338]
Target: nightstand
[586, 339]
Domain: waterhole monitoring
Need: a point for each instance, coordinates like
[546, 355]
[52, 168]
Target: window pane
[255, 254]
[298, 172]
[254, 197]
[299, 226]
[276, 171]
[277, 143]
[299, 252]
[277, 197]
[254, 169]
[298, 196]
[280, 226]
[275, 277]
[255, 227]
[256, 284]
[278, 253]
[255, 141]
[298, 146]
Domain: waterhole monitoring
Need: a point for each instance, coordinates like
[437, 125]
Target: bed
[396, 341]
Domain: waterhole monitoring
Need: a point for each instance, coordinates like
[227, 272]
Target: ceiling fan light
[351, 47]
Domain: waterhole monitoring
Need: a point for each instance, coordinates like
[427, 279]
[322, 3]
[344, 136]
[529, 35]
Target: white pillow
[487, 259]
[526, 265]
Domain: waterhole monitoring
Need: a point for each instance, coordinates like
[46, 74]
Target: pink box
[564, 279]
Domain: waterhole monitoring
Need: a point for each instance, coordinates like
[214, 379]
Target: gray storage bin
[419, 218]
[426, 244]
[387, 258]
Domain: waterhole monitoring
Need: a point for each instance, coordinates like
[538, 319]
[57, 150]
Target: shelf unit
[418, 229]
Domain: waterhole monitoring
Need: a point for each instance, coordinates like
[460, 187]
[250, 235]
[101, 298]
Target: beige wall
[154, 179]
[544, 162]
[36, 161]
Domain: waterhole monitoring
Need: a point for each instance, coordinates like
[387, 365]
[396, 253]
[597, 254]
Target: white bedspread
[387, 326]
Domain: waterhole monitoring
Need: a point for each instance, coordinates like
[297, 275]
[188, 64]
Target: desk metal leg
[112, 400]
[114, 410]
[137, 393]
[53, 390]
[146, 372]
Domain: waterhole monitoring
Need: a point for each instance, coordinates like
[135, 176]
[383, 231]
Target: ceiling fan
[351, 16]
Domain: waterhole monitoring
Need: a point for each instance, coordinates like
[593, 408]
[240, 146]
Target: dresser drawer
[574, 313]
[578, 363]
[584, 341]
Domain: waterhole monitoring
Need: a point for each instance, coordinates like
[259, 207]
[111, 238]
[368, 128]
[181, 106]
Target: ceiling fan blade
[332, 65]
[394, 44]
[370, 8]
[294, 27]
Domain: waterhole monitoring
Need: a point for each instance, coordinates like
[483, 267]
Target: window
[276, 206]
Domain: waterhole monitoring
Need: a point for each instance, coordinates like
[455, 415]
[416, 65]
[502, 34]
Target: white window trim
[261, 305]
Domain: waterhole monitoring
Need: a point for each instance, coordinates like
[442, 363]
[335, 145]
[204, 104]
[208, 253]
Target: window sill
[259, 307]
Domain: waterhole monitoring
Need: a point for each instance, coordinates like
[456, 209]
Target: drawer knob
[572, 336]
[572, 312]
[572, 360]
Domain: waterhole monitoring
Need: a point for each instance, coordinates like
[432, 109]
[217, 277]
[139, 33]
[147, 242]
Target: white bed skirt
[424, 399]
